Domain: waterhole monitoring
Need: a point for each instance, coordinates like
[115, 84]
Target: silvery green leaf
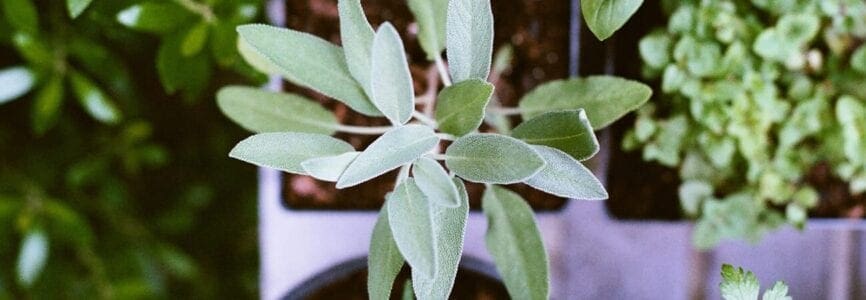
[408, 290]
[738, 284]
[655, 49]
[308, 61]
[32, 257]
[567, 130]
[449, 227]
[384, 261]
[393, 149]
[94, 101]
[460, 107]
[492, 158]
[565, 177]
[431, 16]
[692, 194]
[604, 98]
[256, 60]
[409, 214]
[329, 168]
[153, 16]
[390, 81]
[286, 150]
[604, 17]
[357, 36]
[515, 243]
[436, 184]
[47, 105]
[259, 111]
[76, 7]
[469, 39]
[16, 81]
[779, 291]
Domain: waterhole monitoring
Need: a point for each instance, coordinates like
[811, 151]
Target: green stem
[424, 119]
[364, 130]
[436, 156]
[200, 9]
[508, 111]
[443, 71]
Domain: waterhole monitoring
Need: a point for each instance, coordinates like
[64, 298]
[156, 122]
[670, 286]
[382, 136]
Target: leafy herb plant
[738, 284]
[424, 217]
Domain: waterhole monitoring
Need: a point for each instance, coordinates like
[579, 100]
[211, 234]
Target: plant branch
[424, 119]
[443, 70]
[200, 9]
[363, 130]
[436, 156]
[445, 136]
[508, 111]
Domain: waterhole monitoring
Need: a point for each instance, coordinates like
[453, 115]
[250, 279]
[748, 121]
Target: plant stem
[508, 111]
[443, 71]
[364, 130]
[424, 119]
[200, 9]
[436, 156]
[445, 136]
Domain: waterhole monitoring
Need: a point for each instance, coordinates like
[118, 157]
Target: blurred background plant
[113, 177]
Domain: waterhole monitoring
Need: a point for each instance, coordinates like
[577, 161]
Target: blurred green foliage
[113, 176]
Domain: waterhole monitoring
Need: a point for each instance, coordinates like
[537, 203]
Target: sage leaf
[460, 107]
[432, 179]
[47, 107]
[357, 37]
[153, 16]
[22, 15]
[256, 60]
[604, 17]
[384, 261]
[412, 225]
[32, 257]
[16, 81]
[604, 98]
[308, 61]
[431, 16]
[94, 101]
[449, 228]
[329, 168]
[390, 80]
[408, 293]
[565, 177]
[393, 149]
[286, 150]
[469, 39]
[515, 243]
[568, 131]
[260, 111]
[76, 7]
[492, 158]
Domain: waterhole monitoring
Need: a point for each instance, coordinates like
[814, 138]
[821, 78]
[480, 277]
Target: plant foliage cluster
[755, 95]
[739, 284]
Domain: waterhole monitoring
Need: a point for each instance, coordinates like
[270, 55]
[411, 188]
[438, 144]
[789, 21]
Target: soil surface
[539, 32]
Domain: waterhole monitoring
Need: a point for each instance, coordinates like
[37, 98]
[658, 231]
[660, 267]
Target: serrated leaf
[357, 37]
[32, 257]
[76, 7]
[409, 214]
[568, 131]
[393, 149]
[565, 177]
[431, 16]
[515, 243]
[22, 15]
[604, 98]
[492, 158]
[309, 61]
[469, 39]
[384, 261]
[436, 184]
[260, 111]
[286, 150]
[94, 101]
[460, 107]
[47, 105]
[390, 80]
[604, 17]
[195, 39]
[329, 168]
[16, 81]
[779, 291]
[155, 17]
[738, 284]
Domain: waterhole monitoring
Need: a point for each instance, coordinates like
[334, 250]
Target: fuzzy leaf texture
[409, 214]
[604, 17]
[435, 182]
[260, 111]
[515, 243]
[16, 81]
[568, 131]
[357, 37]
[460, 107]
[390, 80]
[393, 149]
[384, 261]
[469, 39]
[431, 16]
[329, 168]
[492, 158]
[286, 151]
[566, 177]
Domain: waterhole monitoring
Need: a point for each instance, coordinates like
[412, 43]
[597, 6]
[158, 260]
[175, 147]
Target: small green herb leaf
[566, 177]
[460, 107]
[181, 73]
[604, 98]
[254, 59]
[16, 81]
[393, 149]
[431, 16]
[156, 17]
[738, 284]
[432, 179]
[76, 7]
[22, 15]
[515, 243]
[412, 225]
[309, 61]
[408, 290]
[286, 150]
[261, 111]
[469, 38]
[94, 100]
[32, 256]
[568, 131]
[858, 59]
[604, 17]
[47, 106]
[357, 36]
[390, 80]
[329, 168]
[384, 261]
[195, 39]
[779, 291]
[492, 158]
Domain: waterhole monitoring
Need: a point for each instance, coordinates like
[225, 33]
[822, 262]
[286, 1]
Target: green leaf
[409, 214]
[492, 158]
[22, 15]
[94, 101]
[568, 131]
[195, 39]
[515, 243]
[436, 184]
[47, 105]
[778, 292]
[178, 72]
[254, 59]
[259, 111]
[286, 150]
[604, 17]
[604, 98]
[329, 168]
[738, 284]
[309, 61]
[76, 7]
[566, 177]
[393, 149]
[655, 49]
[16, 81]
[224, 43]
[384, 261]
[858, 60]
[469, 38]
[357, 37]
[34, 50]
[407, 291]
[32, 256]
[390, 81]
[460, 107]
[431, 16]
[153, 16]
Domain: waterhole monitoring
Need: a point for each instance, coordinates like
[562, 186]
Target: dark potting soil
[539, 32]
